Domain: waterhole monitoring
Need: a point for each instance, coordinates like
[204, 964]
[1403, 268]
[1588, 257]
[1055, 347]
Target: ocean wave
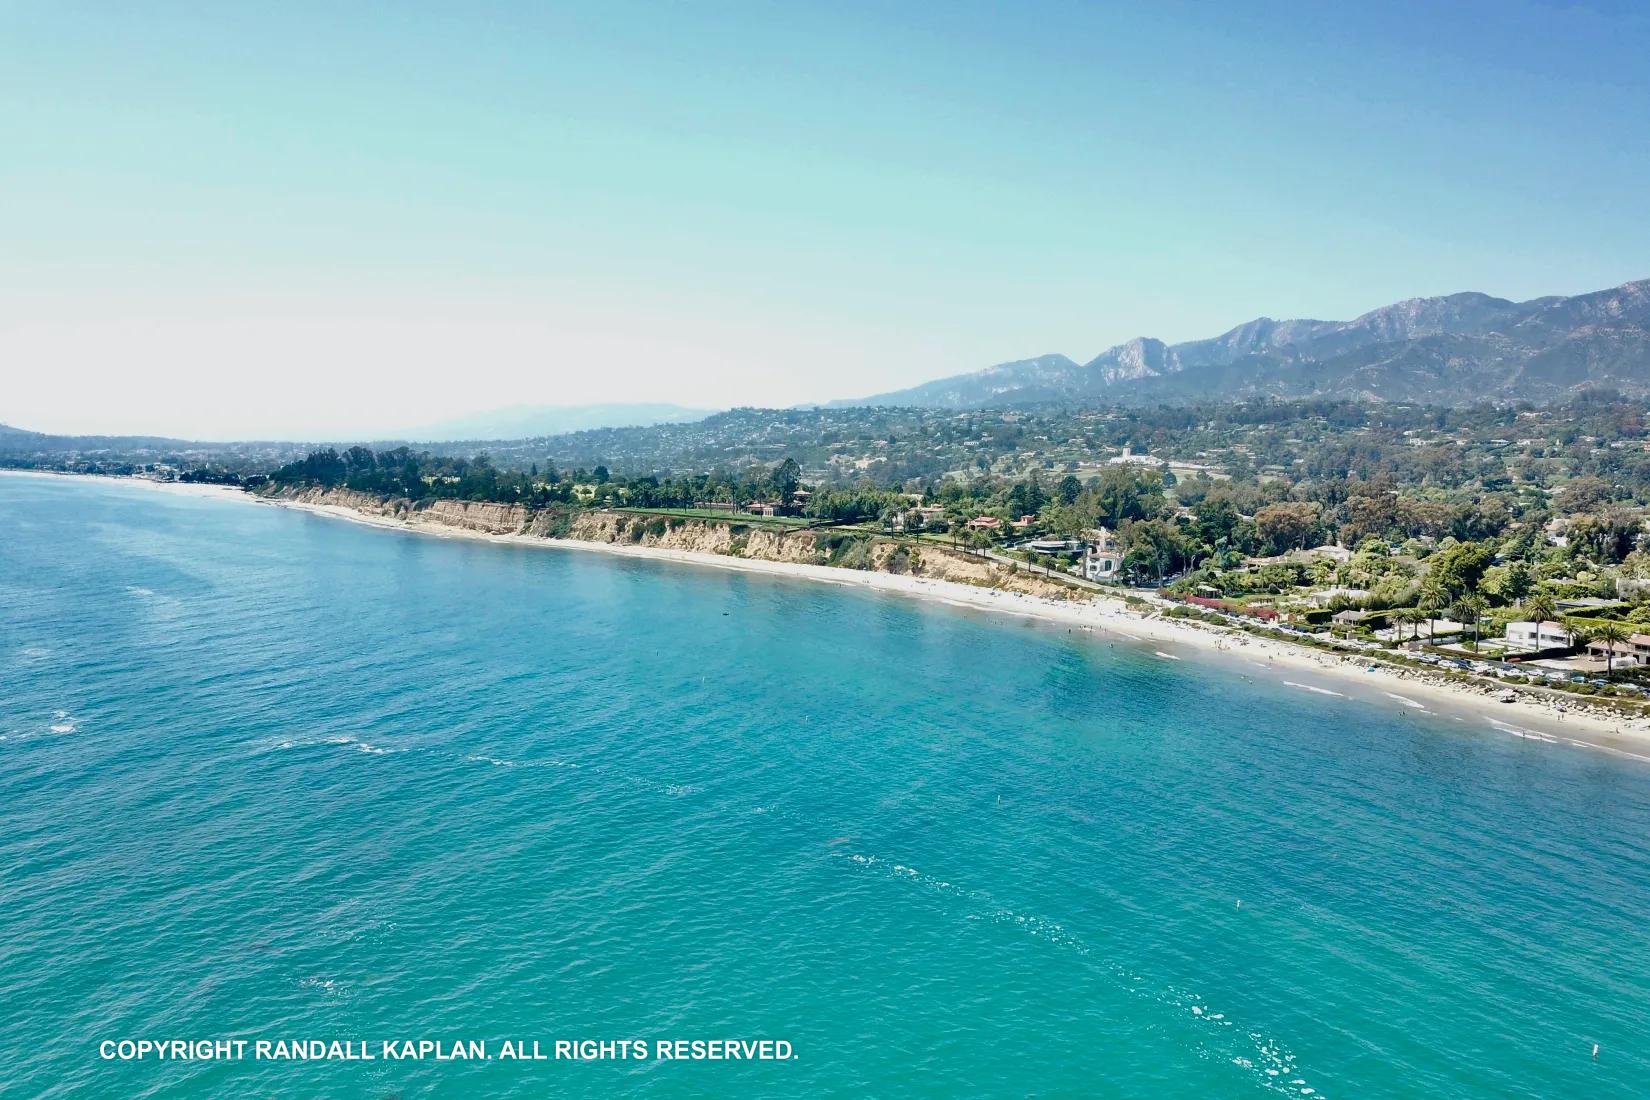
[342, 740]
[991, 909]
[500, 762]
[330, 987]
[1520, 731]
[1309, 687]
[1274, 1067]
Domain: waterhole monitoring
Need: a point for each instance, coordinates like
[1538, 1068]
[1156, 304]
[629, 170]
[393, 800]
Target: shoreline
[1362, 681]
[1530, 716]
[185, 488]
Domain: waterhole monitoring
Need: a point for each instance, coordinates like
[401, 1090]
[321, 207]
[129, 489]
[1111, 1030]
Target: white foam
[1520, 731]
[1166, 656]
[1309, 687]
[328, 986]
[498, 762]
[359, 745]
[342, 741]
[1032, 925]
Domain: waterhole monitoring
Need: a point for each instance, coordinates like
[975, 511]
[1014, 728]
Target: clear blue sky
[336, 217]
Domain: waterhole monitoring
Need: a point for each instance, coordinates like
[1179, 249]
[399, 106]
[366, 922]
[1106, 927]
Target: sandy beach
[1360, 680]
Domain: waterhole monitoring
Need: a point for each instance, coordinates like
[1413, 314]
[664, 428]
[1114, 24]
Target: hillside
[529, 421]
[1444, 350]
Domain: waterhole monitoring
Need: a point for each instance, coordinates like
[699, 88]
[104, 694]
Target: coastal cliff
[728, 538]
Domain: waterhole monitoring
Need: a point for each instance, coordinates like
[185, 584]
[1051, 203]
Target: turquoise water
[267, 774]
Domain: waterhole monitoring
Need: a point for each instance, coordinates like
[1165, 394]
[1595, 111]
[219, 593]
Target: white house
[1525, 635]
[1323, 597]
[1102, 557]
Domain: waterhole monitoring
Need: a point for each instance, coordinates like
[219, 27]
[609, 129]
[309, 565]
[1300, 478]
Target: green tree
[1411, 617]
[787, 479]
[1469, 611]
[1611, 634]
[1153, 546]
[1287, 526]
[1538, 610]
[1580, 633]
[1507, 583]
[1459, 568]
[1432, 598]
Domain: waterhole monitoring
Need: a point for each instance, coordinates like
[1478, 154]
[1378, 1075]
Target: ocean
[270, 775]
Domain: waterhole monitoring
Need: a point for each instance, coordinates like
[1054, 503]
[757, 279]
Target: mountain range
[1447, 350]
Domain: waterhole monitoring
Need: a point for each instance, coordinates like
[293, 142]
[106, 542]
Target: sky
[328, 220]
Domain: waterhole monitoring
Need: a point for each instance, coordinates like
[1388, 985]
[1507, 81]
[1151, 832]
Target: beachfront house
[1634, 651]
[1070, 547]
[1530, 636]
[1102, 557]
[1326, 597]
[1609, 657]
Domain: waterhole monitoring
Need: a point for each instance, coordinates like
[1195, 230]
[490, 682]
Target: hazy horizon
[311, 223]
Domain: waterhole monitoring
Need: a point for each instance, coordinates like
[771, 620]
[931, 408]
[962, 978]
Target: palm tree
[1410, 616]
[1431, 597]
[1538, 610]
[1469, 609]
[1611, 634]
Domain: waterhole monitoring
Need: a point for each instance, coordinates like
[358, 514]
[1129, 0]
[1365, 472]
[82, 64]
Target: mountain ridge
[1439, 349]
